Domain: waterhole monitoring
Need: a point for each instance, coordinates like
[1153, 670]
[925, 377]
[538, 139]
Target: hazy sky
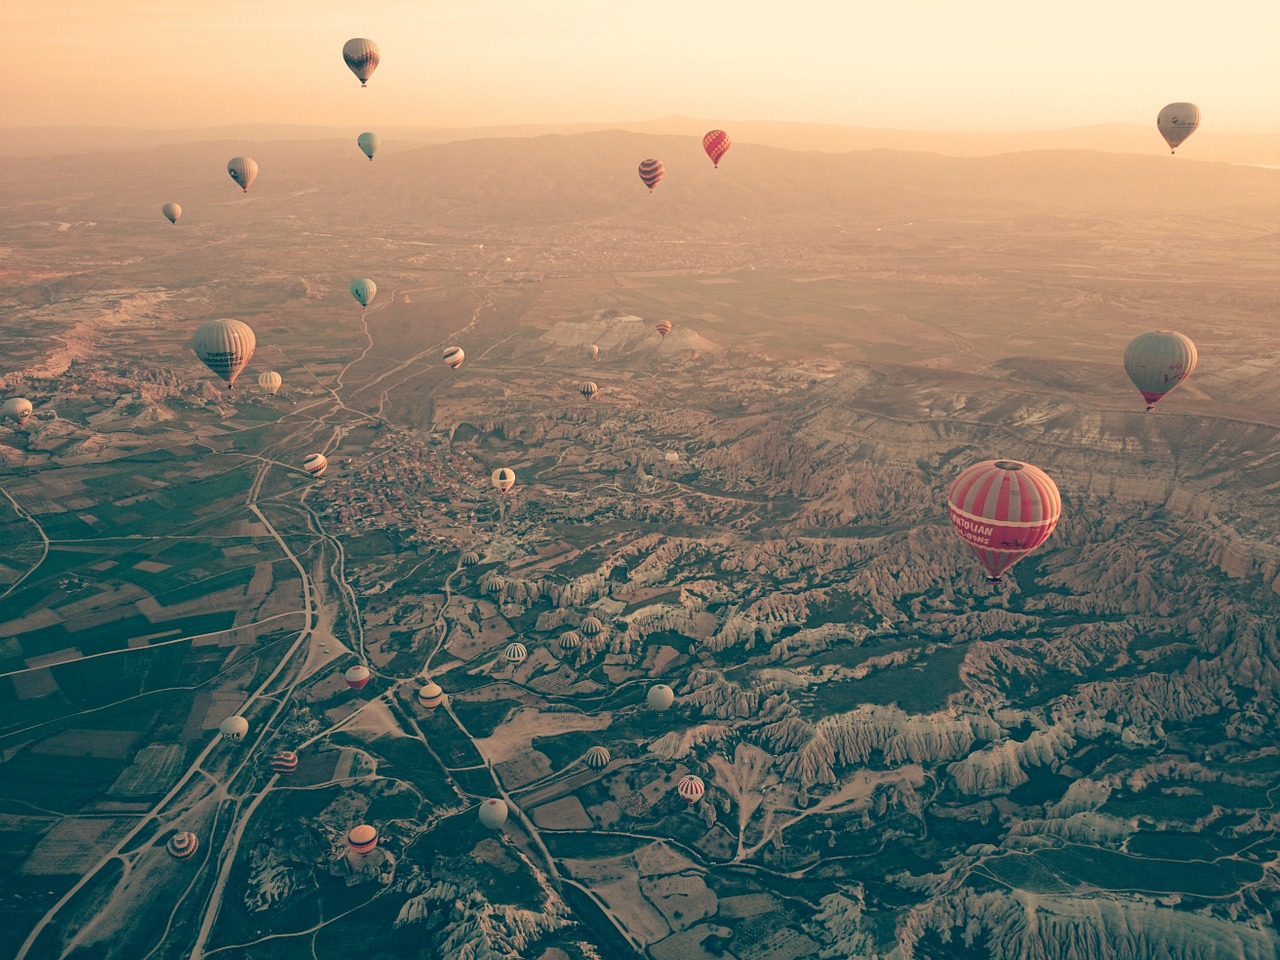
[885, 63]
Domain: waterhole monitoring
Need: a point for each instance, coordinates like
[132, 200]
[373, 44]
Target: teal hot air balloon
[364, 290]
[369, 143]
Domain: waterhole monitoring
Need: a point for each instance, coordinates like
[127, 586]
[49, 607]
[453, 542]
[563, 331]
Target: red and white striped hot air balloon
[453, 356]
[431, 696]
[597, 758]
[651, 171]
[183, 845]
[316, 464]
[362, 839]
[286, 761]
[357, 676]
[664, 327]
[716, 143]
[691, 789]
[1003, 509]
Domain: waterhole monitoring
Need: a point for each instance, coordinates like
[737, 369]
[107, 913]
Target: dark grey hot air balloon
[1176, 122]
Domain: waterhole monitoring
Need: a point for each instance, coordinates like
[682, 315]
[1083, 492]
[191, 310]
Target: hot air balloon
[182, 845]
[515, 653]
[171, 210]
[1003, 509]
[224, 346]
[494, 584]
[660, 697]
[362, 57]
[234, 729]
[691, 789]
[504, 478]
[364, 290]
[493, 813]
[316, 464]
[588, 389]
[431, 696]
[593, 351]
[453, 356]
[243, 170]
[651, 171]
[716, 143]
[470, 558]
[362, 839]
[597, 758]
[664, 327]
[286, 761]
[17, 409]
[671, 457]
[357, 676]
[369, 143]
[270, 382]
[570, 640]
[1157, 361]
[1176, 122]
[590, 627]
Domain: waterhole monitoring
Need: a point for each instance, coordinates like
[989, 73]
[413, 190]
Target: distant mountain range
[1208, 144]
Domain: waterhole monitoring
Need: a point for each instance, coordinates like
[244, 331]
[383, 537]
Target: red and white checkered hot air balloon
[691, 789]
[357, 676]
[1003, 509]
[651, 171]
[716, 143]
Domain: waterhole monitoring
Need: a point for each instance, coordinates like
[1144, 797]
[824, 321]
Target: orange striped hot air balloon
[362, 839]
[1002, 510]
[183, 845]
[691, 789]
[716, 143]
[664, 327]
[651, 171]
[286, 761]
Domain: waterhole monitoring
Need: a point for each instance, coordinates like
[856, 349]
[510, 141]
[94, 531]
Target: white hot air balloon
[316, 464]
[1176, 122]
[17, 409]
[493, 813]
[691, 789]
[172, 211]
[243, 171]
[660, 697]
[1157, 361]
[225, 347]
[234, 728]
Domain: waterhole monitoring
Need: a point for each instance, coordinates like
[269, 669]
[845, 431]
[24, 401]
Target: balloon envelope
[515, 653]
[597, 758]
[172, 211]
[691, 789]
[453, 356]
[716, 143]
[493, 813]
[224, 346]
[593, 351]
[270, 382]
[1002, 510]
[18, 409]
[364, 290]
[664, 327]
[1157, 361]
[1176, 122]
[234, 728]
[651, 171]
[590, 627]
[243, 170]
[286, 761]
[183, 845]
[357, 676]
[431, 696]
[362, 839]
[316, 464]
[588, 389]
[369, 143]
[362, 56]
[660, 697]
[504, 478]
[570, 640]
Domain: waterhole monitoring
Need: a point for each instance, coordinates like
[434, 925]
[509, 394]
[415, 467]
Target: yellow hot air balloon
[243, 170]
[362, 56]
[270, 382]
[224, 346]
